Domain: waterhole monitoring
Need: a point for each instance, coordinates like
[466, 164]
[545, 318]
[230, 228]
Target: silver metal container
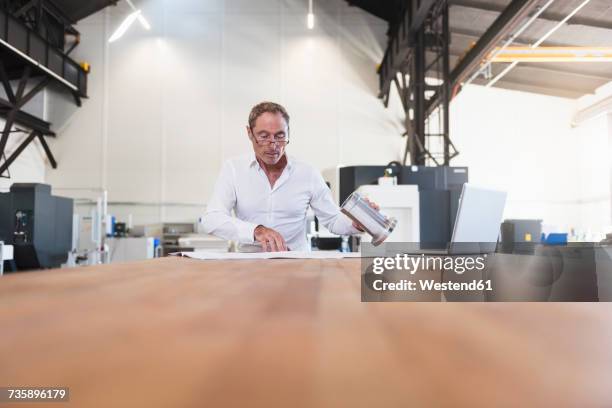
[371, 220]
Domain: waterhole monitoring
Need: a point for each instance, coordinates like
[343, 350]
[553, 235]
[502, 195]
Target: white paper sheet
[268, 255]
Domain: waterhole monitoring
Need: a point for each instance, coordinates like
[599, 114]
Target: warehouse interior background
[167, 106]
[493, 178]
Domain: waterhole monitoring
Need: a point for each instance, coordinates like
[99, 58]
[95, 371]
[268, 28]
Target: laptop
[477, 224]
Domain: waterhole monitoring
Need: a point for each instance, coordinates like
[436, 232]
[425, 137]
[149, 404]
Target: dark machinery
[520, 236]
[427, 178]
[439, 192]
[38, 224]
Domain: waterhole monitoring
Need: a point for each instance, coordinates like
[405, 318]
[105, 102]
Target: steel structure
[36, 38]
[417, 62]
[13, 114]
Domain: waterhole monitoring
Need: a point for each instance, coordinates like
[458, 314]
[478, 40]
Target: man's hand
[270, 240]
[374, 206]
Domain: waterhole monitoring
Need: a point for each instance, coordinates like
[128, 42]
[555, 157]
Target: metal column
[16, 101]
[425, 73]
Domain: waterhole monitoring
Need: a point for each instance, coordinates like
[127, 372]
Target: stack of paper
[269, 255]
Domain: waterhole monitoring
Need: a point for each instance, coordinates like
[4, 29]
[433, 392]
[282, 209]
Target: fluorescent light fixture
[136, 15]
[487, 65]
[310, 18]
[124, 26]
[555, 54]
[537, 43]
[143, 22]
[310, 21]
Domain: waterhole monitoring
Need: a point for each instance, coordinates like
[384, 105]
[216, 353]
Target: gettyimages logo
[412, 263]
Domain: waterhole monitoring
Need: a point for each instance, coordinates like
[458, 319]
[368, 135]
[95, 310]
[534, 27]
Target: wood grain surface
[175, 332]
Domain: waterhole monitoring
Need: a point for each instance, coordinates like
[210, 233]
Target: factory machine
[438, 190]
[37, 224]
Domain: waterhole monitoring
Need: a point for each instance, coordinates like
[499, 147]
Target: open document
[268, 255]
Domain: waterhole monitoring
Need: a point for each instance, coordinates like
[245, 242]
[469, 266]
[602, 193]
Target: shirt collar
[253, 160]
[254, 163]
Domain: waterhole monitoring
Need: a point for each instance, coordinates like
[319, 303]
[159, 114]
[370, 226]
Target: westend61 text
[430, 284]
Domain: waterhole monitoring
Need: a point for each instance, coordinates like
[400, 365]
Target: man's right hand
[270, 240]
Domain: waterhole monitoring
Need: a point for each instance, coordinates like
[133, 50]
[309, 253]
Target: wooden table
[184, 333]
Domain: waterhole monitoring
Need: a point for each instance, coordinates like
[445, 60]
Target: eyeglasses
[281, 141]
[268, 140]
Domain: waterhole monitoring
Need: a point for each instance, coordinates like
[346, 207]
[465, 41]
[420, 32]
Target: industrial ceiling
[470, 19]
[77, 10]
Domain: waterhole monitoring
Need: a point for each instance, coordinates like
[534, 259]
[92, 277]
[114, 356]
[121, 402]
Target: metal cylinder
[371, 220]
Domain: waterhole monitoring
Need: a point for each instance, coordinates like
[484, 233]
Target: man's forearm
[342, 225]
[224, 226]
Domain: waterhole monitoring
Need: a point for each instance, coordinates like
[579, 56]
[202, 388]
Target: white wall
[593, 143]
[520, 143]
[167, 106]
[524, 143]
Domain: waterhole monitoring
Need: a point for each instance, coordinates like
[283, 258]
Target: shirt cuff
[355, 231]
[246, 232]
[349, 227]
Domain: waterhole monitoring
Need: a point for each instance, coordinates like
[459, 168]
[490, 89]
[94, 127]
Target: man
[270, 192]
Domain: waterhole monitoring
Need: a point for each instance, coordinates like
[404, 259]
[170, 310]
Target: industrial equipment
[37, 224]
[6, 255]
[427, 178]
[125, 249]
[476, 228]
[520, 236]
[439, 192]
[172, 233]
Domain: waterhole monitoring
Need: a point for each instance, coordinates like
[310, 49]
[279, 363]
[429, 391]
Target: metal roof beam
[401, 42]
[507, 22]
[553, 70]
[521, 40]
[25, 119]
[547, 15]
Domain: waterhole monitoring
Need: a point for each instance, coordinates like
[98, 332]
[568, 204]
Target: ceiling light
[135, 15]
[143, 22]
[310, 18]
[540, 41]
[129, 20]
[486, 67]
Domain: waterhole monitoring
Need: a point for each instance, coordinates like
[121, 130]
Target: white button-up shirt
[243, 187]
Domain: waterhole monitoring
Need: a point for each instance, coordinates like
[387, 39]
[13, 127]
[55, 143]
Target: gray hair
[264, 107]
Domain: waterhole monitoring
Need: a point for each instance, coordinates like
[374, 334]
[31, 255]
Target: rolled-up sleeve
[327, 211]
[218, 219]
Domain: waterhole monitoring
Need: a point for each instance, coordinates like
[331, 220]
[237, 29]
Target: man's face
[267, 127]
